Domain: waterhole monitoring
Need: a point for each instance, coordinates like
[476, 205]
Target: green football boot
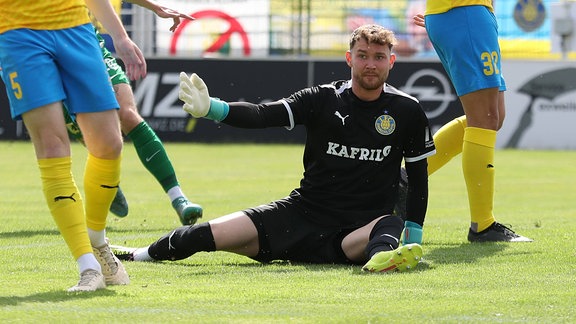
[404, 258]
[119, 206]
[187, 211]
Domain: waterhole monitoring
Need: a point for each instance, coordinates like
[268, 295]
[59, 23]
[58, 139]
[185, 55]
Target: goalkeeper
[358, 133]
[149, 147]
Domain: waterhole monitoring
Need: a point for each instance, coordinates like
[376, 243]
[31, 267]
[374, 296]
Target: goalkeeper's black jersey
[354, 148]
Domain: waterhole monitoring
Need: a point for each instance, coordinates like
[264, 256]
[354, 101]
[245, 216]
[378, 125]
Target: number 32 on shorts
[490, 63]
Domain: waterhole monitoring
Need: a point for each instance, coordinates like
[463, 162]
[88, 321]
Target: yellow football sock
[478, 168]
[65, 203]
[101, 179]
[448, 141]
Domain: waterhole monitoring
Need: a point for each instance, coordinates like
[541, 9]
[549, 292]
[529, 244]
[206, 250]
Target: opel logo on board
[430, 87]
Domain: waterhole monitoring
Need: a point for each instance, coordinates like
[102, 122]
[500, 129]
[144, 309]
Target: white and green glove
[197, 101]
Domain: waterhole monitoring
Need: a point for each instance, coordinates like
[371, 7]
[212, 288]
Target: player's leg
[91, 98]
[147, 144]
[119, 206]
[479, 168]
[45, 126]
[153, 155]
[101, 179]
[483, 104]
[66, 205]
[378, 242]
[450, 138]
[448, 141]
[478, 154]
[233, 233]
[25, 58]
[72, 126]
[501, 109]
[471, 56]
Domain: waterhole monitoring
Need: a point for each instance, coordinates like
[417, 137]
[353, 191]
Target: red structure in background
[235, 27]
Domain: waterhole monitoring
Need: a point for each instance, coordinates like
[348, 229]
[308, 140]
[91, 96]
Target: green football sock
[153, 155]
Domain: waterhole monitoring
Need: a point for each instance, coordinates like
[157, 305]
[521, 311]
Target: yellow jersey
[42, 14]
[440, 6]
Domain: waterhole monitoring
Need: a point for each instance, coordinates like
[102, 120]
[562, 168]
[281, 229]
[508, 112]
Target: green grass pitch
[457, 282]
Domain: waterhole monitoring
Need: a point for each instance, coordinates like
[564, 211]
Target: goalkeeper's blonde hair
[375, 34]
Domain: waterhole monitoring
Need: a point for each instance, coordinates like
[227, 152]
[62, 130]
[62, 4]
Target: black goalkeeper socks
[183, 242]
[385, 235]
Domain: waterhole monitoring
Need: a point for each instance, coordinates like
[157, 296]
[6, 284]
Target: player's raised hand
[130, 54]
[163, 11]
[166, 12]
[419, 20]
[194, 93]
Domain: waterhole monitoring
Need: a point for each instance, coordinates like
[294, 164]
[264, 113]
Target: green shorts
[115, 72]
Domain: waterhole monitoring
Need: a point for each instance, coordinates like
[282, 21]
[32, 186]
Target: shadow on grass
[462, 253]
[53, 296]
[434, 254]
[28, 233]
[46, 232]
[442, 254]
[277, 266]
[248, 264]
[131, 230]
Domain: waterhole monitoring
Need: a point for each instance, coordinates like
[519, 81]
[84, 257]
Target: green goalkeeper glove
[197, 102]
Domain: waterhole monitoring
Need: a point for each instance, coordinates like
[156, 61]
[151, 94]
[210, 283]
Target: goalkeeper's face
[370, 63]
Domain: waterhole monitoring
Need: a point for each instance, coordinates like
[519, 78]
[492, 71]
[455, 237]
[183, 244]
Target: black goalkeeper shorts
[285, 233]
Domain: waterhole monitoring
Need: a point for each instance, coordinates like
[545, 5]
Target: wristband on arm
[412, 233]
[218, 110]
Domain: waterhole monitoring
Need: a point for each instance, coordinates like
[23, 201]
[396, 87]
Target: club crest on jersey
[385, 125]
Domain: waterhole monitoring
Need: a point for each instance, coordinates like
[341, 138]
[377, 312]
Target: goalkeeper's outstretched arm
[198, 103]
[249, 115]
